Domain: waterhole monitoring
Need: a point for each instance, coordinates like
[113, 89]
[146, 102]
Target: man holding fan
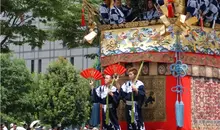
[108, 96]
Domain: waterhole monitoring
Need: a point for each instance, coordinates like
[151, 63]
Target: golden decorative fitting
[152, 22]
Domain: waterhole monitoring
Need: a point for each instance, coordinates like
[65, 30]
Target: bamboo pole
[132, 96]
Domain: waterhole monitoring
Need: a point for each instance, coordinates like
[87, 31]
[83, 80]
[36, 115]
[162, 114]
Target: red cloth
[170, 10]
[83, 22]
[170, 123]
[201, 22]
[163, 57]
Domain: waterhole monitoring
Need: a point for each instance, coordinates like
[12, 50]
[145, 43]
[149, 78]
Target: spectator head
[14, 126]
[107, 2]
[149, 5]
[128, 3]
[11, 125]
[118, 3]
[2, 126]
[25, 125]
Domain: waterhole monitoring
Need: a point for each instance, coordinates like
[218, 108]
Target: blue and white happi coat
[209, 8]
[159, 2]
[116, 16]
[104, 13]
[212, 11]
[193, 7]
[151, 14]
[126, 95]
[127, 12]
[218, 16]
[101, 93]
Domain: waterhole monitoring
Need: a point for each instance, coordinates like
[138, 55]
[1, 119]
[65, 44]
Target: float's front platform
[131, 44]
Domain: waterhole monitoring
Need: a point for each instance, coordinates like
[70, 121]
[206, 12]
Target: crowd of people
[35, 125]
[13, 126]
[114, 12]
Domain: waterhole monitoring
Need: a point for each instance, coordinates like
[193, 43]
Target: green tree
[63, 96]
[69, 25]
[20, 20]
[15, 84]
[17, 23]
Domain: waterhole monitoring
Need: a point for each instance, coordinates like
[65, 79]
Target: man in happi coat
[218, 16]
[207, 9]
[126, 90]
[151, 12]
[104, 11]
[126, 9]
[101, 94]
[116, 16]
[212, 10]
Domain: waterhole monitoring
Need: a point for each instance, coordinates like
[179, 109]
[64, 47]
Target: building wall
[49, 52]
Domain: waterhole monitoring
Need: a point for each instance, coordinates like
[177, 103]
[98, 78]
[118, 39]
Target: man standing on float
[100, 94]
[126, 90]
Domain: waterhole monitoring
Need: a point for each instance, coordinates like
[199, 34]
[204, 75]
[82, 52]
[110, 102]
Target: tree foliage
[62, 95]
[15, 84]
[69, 25]
[59, 96]
[17, 23]
[58, 20]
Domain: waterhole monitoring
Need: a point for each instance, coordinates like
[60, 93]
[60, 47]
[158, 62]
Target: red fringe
[170, 10]
[83, 23]
[201, 22]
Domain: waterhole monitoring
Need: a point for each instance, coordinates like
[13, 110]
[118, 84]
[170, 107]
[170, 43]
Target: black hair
[147, 8]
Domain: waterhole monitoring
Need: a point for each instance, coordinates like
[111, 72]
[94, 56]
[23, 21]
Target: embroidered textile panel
[152, 38]
[205, 93]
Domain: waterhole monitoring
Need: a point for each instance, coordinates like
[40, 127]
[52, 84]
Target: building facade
[38, 59]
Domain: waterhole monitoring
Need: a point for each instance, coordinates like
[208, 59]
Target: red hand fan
[91, 73]
[115, 69]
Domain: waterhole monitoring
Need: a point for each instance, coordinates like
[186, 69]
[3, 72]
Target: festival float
[179, 62]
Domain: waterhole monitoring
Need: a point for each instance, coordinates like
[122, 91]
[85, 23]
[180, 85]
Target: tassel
[201, 22]
[170, 1]
[83, 23]
[170, 10]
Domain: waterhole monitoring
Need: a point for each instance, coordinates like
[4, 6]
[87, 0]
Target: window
[72, 60]
[64, 45]
[32, 66]
[39, 65]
